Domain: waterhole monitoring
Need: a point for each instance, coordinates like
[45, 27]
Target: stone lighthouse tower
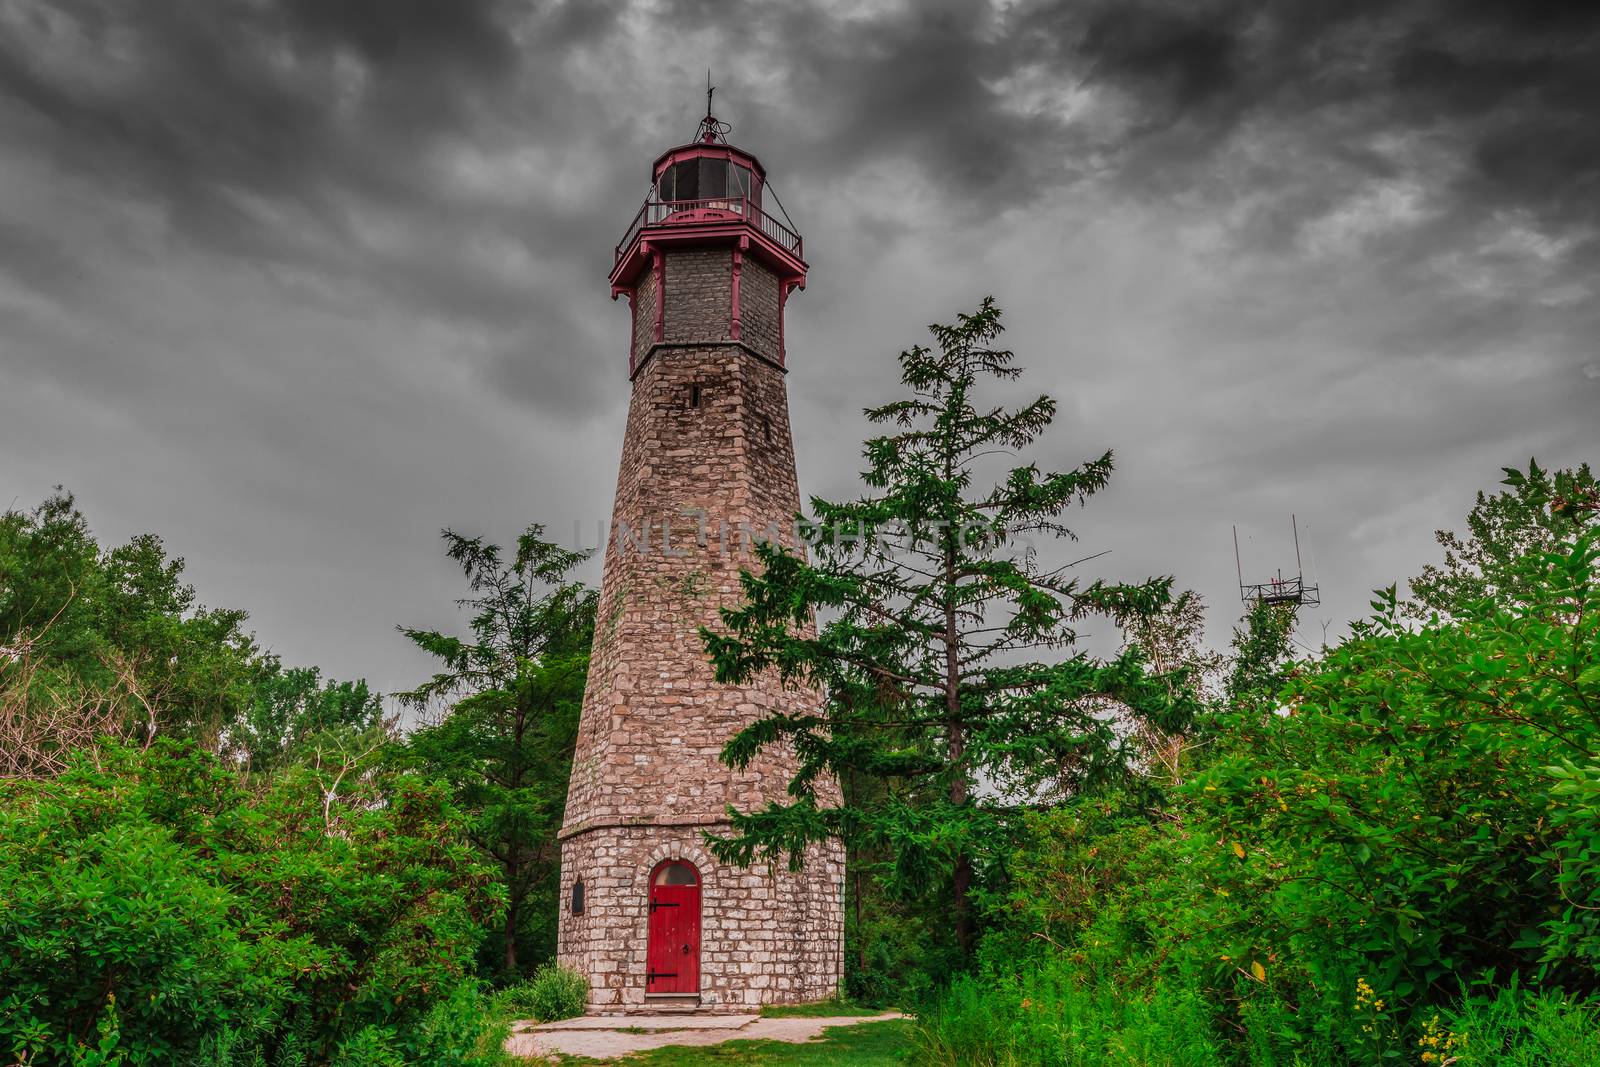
[647, 914]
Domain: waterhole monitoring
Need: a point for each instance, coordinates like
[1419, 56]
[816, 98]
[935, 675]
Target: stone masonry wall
[707, 465]
[654, 719]
[699, 304]
[767, 935]
[644, 319]
[759, 310]
[699, 295]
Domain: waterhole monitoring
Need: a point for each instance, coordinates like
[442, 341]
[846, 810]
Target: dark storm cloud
[307, 133]
[1215, 98]
[912, 83]
[258, 126]
[307, 99]
[357, 250]
[464, 37]
[32, 258]
[1515, 85]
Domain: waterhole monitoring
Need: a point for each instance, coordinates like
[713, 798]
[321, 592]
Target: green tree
[50, 582]
[1262, 653]
[193, 668]
[948, 656]
[1539, 511]
[98, 643]
[153, 905]
[288, 706]
[1420, 814]
[514, 690]
[1408, 812]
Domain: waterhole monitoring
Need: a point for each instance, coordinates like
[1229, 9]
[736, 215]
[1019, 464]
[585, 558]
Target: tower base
[767, 935]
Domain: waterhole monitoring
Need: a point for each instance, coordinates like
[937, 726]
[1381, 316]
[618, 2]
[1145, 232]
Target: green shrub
[1052, 1016]
[1514, 1029]
[235, 926]
[554, 992]
[1416, 808]
[371, 1046]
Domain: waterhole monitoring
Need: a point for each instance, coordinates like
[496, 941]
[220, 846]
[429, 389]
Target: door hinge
[654, 904]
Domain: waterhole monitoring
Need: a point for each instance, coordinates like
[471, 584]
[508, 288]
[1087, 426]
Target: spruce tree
[512, 692]
[947, 658]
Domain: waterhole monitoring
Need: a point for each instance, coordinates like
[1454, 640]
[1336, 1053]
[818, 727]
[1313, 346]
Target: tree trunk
[961, 888]
[961, 881]
[519, 728]
[852, 865]
[510, 937]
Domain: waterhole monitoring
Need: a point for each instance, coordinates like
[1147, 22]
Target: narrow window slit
[694, 395]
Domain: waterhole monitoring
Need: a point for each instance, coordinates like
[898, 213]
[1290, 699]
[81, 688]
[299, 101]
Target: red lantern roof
[709, 192]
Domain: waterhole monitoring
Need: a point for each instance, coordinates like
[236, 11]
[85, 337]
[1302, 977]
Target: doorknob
[685, 950]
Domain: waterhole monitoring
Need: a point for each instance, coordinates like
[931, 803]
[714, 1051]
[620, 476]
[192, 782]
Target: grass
[818, 1009]
[881, 1044]
[1046, 1019]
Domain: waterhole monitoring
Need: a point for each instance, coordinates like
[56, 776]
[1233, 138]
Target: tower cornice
[744, 226]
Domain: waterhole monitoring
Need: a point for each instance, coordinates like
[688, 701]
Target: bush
[554, 992]
[1055, 1016]
[1417, 808]
[155, 898]
[1514, 1030]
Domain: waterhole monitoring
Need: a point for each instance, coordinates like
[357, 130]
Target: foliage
[554, 992]
[1410, 795]
[1262, 654]
[1416, 808]
[948, 651]
[1513, 1029]
[1052, 1015]
[1539, 511]
[151, 894]
[514, 691]
[1045, 1017]
[287, 707]
[98, 643]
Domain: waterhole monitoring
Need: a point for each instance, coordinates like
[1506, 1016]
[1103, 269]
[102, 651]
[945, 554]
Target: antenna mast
[1280, 590]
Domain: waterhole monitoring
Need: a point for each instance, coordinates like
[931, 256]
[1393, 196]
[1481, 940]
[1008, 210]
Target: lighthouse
[654, 922]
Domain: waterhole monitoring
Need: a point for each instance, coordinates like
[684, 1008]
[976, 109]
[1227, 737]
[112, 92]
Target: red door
[673, 953]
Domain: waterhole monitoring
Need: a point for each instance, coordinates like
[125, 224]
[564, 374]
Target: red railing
[711, 209]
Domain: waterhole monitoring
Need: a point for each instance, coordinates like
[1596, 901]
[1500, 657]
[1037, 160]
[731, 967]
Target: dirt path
[604, 1038]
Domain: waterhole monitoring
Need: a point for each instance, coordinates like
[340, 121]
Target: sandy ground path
[605, 1037]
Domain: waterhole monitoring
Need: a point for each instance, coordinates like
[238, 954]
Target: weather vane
[710, 129]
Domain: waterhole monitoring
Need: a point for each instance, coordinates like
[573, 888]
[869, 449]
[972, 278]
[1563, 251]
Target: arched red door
[673, 952]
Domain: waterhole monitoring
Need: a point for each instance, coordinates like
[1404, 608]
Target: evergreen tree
[514, 690]
[947, 659]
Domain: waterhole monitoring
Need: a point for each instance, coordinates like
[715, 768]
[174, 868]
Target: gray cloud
[296, 282]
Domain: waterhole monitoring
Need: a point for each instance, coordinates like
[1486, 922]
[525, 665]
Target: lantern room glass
[707, 178]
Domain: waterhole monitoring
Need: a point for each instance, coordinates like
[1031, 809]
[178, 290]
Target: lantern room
[710, 172]
[709, 192]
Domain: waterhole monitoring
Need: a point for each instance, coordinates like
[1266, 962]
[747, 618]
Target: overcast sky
[295, 283]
